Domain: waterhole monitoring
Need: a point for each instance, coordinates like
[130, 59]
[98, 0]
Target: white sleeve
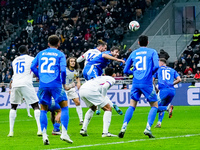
[105, 87]
[80, 59]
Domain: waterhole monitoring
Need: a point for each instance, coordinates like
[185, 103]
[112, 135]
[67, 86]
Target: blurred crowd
[79, 24]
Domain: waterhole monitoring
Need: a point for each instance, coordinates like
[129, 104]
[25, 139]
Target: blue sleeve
[155, 62]
[176, 74]
[156, 75]
[63, 68]
[34, 66]
[128, 64]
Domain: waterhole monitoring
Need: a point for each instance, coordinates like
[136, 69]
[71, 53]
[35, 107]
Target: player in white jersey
[91, 53]
[22, 87]
[71, 78]
[94, 93]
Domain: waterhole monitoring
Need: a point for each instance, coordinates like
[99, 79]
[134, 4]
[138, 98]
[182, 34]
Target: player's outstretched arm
[80, 59]
[112, 58]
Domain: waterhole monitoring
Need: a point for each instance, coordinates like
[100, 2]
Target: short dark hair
[163, 60]
[23, 49]
[53, 40]
[109, 71]
[143, 40]
[115, 48]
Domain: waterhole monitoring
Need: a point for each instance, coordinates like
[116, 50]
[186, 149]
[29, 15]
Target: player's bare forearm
[78, 83]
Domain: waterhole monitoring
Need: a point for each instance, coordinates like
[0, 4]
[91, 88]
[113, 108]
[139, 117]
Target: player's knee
[35, 106]
[14, 106]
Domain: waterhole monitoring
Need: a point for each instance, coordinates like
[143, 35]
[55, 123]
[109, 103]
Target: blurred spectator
[197, 75]
[188, 70]
[189, 74]
[163, 54]
[124, 86]
[196, 39]
[3, 87]
[29, 29]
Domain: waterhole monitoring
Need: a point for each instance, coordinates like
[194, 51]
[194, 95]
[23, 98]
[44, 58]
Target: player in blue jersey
[51, 71]
[167, 78]
[94, 68]
[145, 63]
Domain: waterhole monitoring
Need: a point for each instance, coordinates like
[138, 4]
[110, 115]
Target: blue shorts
[147, 90]
[91, 71]
[45, 94]
[53, 107]
[166, 96]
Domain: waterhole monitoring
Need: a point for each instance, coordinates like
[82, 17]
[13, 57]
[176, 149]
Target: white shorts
[26, 92]
[92, 97]
[71, 94]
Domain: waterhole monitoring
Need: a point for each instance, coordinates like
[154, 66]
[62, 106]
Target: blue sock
[151, 117]
[43, 119]
[128, 116]
[56, 126]
[162, 108]
[64, 116]
[161, 116]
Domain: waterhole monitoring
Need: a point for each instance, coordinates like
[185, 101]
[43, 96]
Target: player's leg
[88, 117]
[55, 118]
[36, 109]
[27, 108]
[127, 117]
[107, 120]
[61, 98]
[117, 109]
[15, 99]
[12, 116]
[64, 121]
[44, 122]
[151, 118]
[79, 110]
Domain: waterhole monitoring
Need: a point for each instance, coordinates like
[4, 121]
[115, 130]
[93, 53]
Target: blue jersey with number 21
[50, 62]
[145, 64]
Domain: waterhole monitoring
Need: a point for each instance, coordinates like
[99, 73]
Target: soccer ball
[134, 25]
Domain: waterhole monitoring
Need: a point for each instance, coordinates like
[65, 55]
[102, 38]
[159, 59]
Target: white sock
[37, 118]
[79, 112]
[148, 126]
[28, 109]
[106, 121]
[12, 116]
[87, 119]
[64, 131]
[99, 108]
[44, 133]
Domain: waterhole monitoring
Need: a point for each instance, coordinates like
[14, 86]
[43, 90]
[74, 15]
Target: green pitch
[181, 132]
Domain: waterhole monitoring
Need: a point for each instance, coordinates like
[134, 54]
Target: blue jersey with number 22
[51, 65]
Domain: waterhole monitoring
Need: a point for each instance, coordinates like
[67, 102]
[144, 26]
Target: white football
[134, 25]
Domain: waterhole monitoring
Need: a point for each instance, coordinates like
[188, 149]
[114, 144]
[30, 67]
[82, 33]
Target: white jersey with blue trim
[89, 55]
[22, 74]
[97, 83]
[71, 76]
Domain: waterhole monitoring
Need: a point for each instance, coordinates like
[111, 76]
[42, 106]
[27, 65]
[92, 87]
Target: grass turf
[174, 133]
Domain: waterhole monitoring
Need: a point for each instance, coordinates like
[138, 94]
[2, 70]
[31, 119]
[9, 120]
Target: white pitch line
[123, 142]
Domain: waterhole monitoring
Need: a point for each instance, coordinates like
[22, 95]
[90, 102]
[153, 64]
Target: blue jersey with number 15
[50, 62]
[145, 64]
